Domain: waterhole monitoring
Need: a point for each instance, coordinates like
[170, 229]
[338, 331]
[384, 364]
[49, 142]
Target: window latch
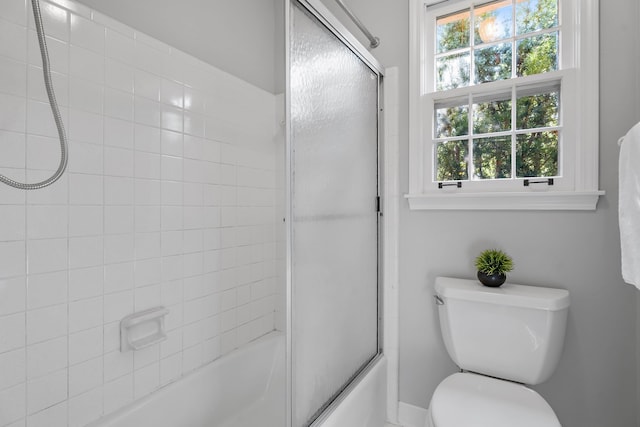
[456, 184]
[549, 181]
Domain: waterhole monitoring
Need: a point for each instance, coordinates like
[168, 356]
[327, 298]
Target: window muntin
[483, 136]
[577, 73]
[496, 41]
[489, 130]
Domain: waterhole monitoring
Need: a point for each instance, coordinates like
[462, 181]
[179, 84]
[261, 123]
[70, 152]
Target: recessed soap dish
[143, 329]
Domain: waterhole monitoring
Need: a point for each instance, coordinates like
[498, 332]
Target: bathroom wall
[169, 199]
[637, 40]
[205, 30]
[595, 384]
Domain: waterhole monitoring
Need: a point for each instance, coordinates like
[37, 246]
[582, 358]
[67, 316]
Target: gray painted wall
[595, 384]
[238, 37]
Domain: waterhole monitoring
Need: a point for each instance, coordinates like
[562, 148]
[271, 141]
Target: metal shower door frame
[331, 23]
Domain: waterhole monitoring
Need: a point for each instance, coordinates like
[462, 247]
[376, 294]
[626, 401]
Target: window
[504, 108]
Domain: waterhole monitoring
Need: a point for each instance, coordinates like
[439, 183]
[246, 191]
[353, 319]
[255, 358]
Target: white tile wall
[169, 199]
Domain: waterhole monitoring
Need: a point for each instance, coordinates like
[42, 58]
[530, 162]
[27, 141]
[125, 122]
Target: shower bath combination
[46, 70]
[174, 205]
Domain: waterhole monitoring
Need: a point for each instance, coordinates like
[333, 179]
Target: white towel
[629, 205]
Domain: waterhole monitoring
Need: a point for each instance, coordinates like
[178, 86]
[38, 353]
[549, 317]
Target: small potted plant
[492, 265]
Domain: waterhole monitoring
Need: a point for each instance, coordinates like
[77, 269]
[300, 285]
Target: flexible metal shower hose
[46, 70]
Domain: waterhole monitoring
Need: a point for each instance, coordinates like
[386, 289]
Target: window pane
[493, 63]
[537, 154]
[493, 21]
[452, 71]
[535, 15]
[452, 31]
[537, 54]
[537, 111]
[452, 158]
[452, 121]
[492, 157]
[492, 116]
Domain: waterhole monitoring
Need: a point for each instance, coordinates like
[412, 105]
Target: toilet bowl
[466, 399]
[503, 339]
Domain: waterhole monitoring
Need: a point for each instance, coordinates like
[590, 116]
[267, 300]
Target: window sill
[538, 200]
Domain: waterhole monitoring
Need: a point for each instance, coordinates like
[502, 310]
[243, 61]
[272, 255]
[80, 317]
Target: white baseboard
[411, 415]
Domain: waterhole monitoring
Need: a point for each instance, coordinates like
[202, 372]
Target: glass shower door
[334, 220]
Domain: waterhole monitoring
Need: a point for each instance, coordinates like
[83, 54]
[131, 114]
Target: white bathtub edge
[122, 417]
[365, 405]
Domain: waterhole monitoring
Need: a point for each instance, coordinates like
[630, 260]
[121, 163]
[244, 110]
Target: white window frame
[578, 156]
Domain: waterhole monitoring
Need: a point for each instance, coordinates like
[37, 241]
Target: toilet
[502, 339]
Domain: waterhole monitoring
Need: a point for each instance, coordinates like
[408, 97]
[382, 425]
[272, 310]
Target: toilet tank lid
[535, 297]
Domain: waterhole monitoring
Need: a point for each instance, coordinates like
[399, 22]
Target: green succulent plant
[494, 261]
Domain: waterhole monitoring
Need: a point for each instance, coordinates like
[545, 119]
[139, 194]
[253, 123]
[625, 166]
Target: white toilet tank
[513, 332]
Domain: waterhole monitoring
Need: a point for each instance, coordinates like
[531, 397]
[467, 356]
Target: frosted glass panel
[334, 99]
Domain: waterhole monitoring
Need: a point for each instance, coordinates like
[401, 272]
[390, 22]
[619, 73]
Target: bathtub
[244, 388]
[364, 403]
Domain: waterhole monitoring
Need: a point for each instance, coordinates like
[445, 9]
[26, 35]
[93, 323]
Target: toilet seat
[472, 400]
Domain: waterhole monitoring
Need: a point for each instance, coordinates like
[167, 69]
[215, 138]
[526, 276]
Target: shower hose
[46, 70]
